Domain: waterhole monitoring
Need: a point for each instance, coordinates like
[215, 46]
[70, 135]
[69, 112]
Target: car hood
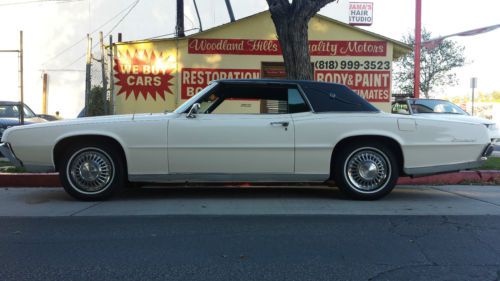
[98, 120]
[455, 117]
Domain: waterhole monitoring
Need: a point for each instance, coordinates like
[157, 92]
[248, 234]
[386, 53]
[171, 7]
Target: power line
[39, 1]
[113, 28]
[173, 33]
[94, 31]
[61, 70]
[124, 16]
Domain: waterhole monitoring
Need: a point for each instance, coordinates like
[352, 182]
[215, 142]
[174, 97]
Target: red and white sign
[272, 47]
[374, 86]
[142, 73]
[194, 80]
[360, 13]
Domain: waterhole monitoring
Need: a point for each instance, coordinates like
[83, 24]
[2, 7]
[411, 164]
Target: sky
[55, 31]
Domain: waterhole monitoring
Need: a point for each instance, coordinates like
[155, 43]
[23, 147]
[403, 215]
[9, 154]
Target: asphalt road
[251, 248]
[416, 233]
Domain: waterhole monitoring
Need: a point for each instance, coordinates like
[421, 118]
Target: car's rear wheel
[92, 171]
[365, 171]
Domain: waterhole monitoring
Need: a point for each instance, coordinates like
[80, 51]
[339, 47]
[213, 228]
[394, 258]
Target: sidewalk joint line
[84, 209]
[464, 196]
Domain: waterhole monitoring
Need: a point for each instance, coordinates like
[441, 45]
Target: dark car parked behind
[9, 115]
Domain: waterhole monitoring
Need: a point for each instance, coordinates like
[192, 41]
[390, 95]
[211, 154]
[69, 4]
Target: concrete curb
[464, 177]
[29, 180]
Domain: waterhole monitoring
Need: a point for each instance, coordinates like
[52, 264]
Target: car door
[245, 130]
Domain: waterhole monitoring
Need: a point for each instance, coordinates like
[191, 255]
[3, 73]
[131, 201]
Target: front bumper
[7, 152]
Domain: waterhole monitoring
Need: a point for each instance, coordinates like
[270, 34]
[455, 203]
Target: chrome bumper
[7, 152]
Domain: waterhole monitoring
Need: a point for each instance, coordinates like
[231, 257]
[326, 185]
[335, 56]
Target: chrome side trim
[422, 171]
[6, 150]
[213, 177]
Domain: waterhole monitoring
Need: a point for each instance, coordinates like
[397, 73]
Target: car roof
[9, 103]
[272, 81]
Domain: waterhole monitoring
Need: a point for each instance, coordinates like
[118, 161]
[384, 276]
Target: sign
[272, 47]
[143, 74]
[194, 80]
[374, 86]
[360, 13]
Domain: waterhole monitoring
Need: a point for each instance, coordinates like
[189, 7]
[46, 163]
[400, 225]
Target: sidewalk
[404, 200]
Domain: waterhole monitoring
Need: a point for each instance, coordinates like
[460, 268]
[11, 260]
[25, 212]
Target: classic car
[442, 109]
[250, 131]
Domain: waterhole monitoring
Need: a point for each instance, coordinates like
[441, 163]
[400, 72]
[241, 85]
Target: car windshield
[187, 104]
[436, 106]
[12, 111]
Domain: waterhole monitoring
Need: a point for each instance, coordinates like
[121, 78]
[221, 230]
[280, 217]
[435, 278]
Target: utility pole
[103, 71]
[44, 93]
[111, 80]
[418, 39]
[179, 28]
[21, 76]
[473, 85]
[87, 74]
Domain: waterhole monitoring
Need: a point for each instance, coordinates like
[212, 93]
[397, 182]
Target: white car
[250, 131]
[443, 109]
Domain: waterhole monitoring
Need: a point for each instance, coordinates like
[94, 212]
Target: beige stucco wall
[173, 56]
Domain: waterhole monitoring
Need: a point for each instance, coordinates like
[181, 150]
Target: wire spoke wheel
[367, 170]
[90, 170]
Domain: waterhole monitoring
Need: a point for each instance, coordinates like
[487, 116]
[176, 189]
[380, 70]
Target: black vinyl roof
[322, 96]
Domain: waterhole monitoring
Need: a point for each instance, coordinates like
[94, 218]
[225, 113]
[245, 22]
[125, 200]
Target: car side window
[253, 99]
[296, 103]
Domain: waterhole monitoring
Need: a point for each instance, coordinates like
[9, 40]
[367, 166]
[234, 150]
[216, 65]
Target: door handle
[280, 123]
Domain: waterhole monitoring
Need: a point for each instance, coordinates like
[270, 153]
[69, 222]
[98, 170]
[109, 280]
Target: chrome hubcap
[367, 170]
[91, 171]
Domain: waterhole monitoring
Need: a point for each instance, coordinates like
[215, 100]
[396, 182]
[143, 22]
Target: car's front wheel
[92, 171]
[366, 171]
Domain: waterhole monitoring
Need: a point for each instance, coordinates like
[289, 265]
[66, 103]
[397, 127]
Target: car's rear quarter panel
[426, 143]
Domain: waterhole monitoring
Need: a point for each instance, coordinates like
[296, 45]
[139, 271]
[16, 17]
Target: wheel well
[390, 142]
[64, 144]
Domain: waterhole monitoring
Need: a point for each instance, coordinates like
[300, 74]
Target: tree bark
[291, 22]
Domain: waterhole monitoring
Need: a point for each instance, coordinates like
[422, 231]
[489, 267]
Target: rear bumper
[7, 152]
[488, 150]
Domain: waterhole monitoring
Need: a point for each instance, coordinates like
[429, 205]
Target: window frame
[250, 84]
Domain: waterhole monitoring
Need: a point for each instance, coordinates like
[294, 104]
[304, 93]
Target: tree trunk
[294, 43]
[291, 22]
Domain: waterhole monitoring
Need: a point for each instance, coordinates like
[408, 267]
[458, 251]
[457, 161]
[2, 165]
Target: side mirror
[193, 111]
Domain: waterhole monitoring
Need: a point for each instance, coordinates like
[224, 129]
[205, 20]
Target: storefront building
[159, 75]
